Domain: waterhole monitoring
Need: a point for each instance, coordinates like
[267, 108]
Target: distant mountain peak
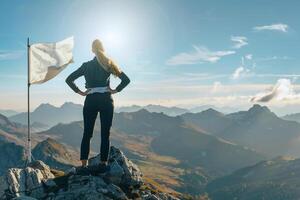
[6, 124]
[255, 111]
[70, 104]
[2, 117]
[44, 106]
[50, 146]
[258, 108]
[211, 111]
[142, 111]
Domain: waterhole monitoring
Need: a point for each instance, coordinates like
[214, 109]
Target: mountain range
[292, 117]
[69, 112]
[50, 151]
[275, 179]
[47, 115]
[8, 113]
[167, 146]
[193, 153]
[257, 128]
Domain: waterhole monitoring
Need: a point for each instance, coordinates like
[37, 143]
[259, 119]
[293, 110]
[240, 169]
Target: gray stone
[70, 171]
[24, 198]
[151, 197]
[34, 179]
[16, 181]
[37, 182]
[132, 176]
[115, 173]
[44, 169]
[49, 183]
[116, 192]
[22, 182]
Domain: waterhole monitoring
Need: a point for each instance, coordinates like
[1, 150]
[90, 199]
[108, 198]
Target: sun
[113, 39]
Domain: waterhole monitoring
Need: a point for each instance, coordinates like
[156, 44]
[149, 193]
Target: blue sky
[176, 52]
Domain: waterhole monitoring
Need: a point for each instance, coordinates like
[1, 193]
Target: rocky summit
[124, 180]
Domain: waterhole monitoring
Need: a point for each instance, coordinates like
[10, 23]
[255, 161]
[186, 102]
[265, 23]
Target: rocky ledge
[123, 181]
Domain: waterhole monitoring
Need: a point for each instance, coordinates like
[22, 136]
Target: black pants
[94, 103]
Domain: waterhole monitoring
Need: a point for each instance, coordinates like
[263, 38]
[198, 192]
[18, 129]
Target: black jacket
[95, 76]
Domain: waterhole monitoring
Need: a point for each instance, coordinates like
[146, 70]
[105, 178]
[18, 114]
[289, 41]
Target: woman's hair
[108, 64]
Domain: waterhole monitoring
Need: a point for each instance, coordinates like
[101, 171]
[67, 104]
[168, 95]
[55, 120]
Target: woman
[98, 99]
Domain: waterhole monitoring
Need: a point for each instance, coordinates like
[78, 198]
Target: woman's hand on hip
[83, 93]
[112, 91]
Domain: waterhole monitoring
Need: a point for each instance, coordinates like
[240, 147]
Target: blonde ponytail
[108, 64]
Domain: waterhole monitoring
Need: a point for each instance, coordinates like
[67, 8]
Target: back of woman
[98, 100]
[94, 75]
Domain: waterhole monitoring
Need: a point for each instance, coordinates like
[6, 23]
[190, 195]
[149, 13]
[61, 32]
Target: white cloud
[242, 70]
[238, 72]
[10, 55]
[239, 41]
[282, 90]
[199, 55]
[273, 27]
[249, 56]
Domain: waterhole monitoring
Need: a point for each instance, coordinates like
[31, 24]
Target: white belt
[97, 90]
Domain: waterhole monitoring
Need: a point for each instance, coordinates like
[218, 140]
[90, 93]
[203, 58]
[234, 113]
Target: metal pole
[28, 104]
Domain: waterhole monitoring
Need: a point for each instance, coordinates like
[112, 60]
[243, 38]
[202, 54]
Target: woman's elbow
[128, 81]
[68, 80]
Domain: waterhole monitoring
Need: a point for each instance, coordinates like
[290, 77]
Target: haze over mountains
[185, 153]
[73, 112]
[49, 115]
[257, 128]
[149, 138]
[292, 117]
[8, 113]
[275, 179]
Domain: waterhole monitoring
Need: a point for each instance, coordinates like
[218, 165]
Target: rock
[151, 197]
[16, 181]
[44, 169]
[22, 182]
[88, 187]
[123, 181]
[34, 179]
[115, 173]
[71, 171]
[115, 192]
[49, 183]
[131, 176]
[24, 198]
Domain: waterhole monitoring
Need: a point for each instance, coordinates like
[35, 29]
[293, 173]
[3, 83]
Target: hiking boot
[83, 170]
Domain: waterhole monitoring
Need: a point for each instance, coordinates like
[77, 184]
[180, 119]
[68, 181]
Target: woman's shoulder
[87, 64]
[92, 61]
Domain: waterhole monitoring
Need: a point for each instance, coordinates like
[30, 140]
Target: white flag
[46, 60]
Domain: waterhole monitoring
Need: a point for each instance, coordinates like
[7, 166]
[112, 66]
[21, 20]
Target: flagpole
[28, 105]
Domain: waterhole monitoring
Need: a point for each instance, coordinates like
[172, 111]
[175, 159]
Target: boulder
[123, 170]
[123, 181]
[23, 182]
